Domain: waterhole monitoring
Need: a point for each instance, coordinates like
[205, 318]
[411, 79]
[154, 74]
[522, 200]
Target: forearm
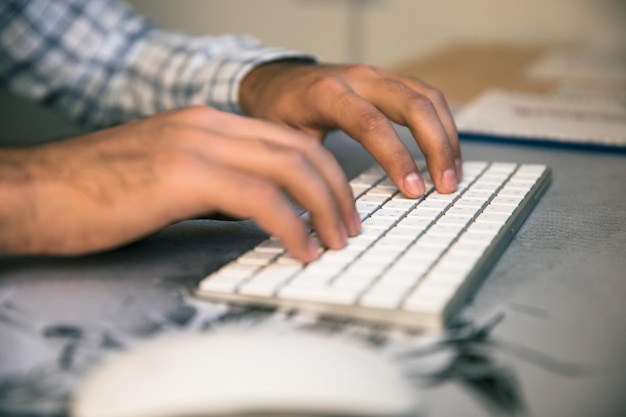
[17, 209]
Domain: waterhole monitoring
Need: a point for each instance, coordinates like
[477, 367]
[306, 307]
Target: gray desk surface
[562, 281]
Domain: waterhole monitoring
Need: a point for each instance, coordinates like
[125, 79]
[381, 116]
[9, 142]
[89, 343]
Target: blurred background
[381, 32]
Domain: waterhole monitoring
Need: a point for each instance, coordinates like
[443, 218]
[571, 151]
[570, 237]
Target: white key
[491, 229]
[422, 213]
[366, 179]
[413, 265]
[269, 280]
[235, 269]
[387, 182]
[288, 259]
[424, 303]
[503, 167]
[467, 248]
[312, 279]
[437, 196]
[419, 223]
[368, 266]
[421, 253]
[512, 192]
[379, 222]
[474, 166]
[404, 230]
[433, 287]
[395, 241]
[437, 204]
[402, 200]
[363, 215]
[401, 276]
[527, 178]
[366, 206]
[492, 218]
[355, 281]
[452, 230]
[256, 258]
[385, 190]
[482, 237]
[372, 198]
[477, 194]
[529, 169]
[326, 294]
[499, 209]
[323, 268]
[360, 242]
[493, 178]
[461, 211]
[437, 241]
[452, 264]
[520, 184]
[469, 203]
[387, 211]
[358, 189]
[272, 246]
[454, 219]
[383, 295]
[482, 187]
[511, 201]
[387, 254]
[221, 283]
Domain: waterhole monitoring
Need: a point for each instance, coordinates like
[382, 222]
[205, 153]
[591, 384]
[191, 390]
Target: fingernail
[356, 222]
[343, 235]
[449, 179]
[313, 250]
[414, 185]
[459, 169]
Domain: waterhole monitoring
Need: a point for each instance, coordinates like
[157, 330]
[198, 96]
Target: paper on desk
[581, 119]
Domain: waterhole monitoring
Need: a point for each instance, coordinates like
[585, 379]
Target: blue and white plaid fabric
[99, 63]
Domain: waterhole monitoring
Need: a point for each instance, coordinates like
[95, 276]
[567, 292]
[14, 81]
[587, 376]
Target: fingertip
[313, 250]
[458, 166]
[449, 180]
[356, 224]
[413, 185]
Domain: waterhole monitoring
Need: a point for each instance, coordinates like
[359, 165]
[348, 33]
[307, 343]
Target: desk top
[561, 281]
[463, 71]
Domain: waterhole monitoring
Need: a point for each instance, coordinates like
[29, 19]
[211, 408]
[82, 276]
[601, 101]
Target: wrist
[260, 86]
[16, 211]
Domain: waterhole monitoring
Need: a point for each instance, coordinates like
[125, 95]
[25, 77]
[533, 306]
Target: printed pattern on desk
[414, 260]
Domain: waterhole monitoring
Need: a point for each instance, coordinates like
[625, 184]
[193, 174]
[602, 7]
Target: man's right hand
[117, 185]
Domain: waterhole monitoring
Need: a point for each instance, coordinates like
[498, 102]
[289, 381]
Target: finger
[238, 194]
[291, 170]
[336, 105]
[443, 111]
[405, 106]
[321, 159]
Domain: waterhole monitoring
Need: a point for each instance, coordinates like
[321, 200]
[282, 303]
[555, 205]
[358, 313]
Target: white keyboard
[412, 264]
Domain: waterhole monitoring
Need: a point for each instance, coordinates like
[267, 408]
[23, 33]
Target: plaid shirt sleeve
[100, 64]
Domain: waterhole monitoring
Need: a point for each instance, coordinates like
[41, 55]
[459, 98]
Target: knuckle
[420, 103]
[363, 70]
[435, 95]
[193, 113]
[265, 193]
[293, 157]
[330, 85]
[371, 121]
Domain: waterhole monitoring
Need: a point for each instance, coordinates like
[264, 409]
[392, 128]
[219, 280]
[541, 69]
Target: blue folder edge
[548, 143]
